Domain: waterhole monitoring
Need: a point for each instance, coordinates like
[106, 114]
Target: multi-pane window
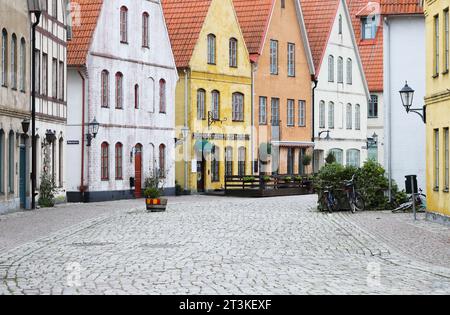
[302, 113]
[4, 57]
[145, 32]
[373, 106]
[105, 161]
[331, 115]
[291, 60]
[339, 155]
[330, 68]
[14, 61]
[273, 57]
[215, 158]
[349, 116]
[162, 96]
[446, 39]
[436, 45]
[233, 52]
[162, 160]
[353, 158]
[242, 157]
[369, 27]
[290, 161]
[105, 89]
[436, 159]
[61, 81]
[119, 90]
[211, 49]
[45, 74]
[215, 105]
[262, 110]
[23, 65]
[349, 71]
[238, 107]
[124, 25]
[201, 96]
[447, 161]
[54, 78]
[301, 166]
[340, 24]
[11, 168]
[229, 161]
[55, 8]
[290, 112]
[119, 161]
[358, 117]
[322, 111]
[275, 112]
[136, 97]
[37, 70]
[340, 69]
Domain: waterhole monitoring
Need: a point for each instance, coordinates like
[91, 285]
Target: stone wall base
[438, 218]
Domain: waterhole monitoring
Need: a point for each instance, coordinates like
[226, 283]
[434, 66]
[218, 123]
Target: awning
[293, 144]
[203, 146]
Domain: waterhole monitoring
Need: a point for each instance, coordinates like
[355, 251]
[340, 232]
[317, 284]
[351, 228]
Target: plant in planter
[331, 158]
[154, 186]
[266, 178]
[248, 179]
[288, 179]
[298, 179]
[307, 159]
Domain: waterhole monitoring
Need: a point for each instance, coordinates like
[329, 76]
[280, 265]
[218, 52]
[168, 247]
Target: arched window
[340, 24]
[233, 52]
[339, 155]
[340, 70]
[145, 31]
[211, 49]
[123, 24]
[2, 161]
[11, 146]
[229, 161]
[215, 158]
[162, 160]
[14, 61]
[349, 71]
[238, 107]
[136, 96]
[242, 160]
[201, 96]
[162, 96]
[119, 161]
[105, 161]
[353, 158]
[349, 116]
[23, 65]
[322, 111]
[331, 115]
[215, 104]
[105, 89]
[358, 117]
[119, 90]
[4, 77]
[330, 68]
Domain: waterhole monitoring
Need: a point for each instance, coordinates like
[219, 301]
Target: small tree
[331, 158]
[47, 188]
[154, 184]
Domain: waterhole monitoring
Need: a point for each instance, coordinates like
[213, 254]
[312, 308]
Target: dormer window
[369, 27]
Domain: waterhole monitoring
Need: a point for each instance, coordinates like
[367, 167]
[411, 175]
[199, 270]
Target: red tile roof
[184, 20]
[319, 16]
[254, 16]
[83, 30]
[390, 7]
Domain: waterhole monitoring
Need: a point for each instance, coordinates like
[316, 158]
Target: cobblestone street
[213, 245]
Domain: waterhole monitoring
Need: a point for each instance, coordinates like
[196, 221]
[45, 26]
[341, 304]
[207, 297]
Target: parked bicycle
[421, 203]
[354, 198]
[329, 200]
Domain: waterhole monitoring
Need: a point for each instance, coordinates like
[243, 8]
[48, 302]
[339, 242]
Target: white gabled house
[122, 73]
[341, 96]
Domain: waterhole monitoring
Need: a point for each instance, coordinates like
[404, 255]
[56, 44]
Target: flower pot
[156, 205]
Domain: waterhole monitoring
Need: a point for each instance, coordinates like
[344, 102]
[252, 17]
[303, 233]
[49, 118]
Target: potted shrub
[266, 178]
[298, 179]
[154, 186]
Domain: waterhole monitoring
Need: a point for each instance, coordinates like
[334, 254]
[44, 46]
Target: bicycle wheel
[358, 203]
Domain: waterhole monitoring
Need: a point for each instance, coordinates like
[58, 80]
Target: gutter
[185, 131]
[83, 102]
[253, 118]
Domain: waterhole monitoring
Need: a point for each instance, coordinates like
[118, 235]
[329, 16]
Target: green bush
[298, 179]
[307, 159]
[331, 158]
[47, 192]
[266, 178]
[249, 179]
[152, 193]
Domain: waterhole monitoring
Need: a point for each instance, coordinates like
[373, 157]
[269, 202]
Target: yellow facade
[438, 108]
[222, 22]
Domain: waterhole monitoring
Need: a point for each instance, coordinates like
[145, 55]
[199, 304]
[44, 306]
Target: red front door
[138, 172]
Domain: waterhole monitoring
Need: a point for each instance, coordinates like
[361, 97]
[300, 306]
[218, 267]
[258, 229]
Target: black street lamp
[407, 96]
[35, 7]
[93, 128]
[373, 141]
[26, 125]
[328, 134]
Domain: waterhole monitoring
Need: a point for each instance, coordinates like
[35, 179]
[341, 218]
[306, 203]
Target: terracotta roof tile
[184, 20]
[78, 47]
[319, 16]
[389, 7]
[253, 16]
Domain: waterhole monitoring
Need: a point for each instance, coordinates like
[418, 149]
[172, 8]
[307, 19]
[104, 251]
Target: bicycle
[329, 200]
[421, 203]
[354, 198]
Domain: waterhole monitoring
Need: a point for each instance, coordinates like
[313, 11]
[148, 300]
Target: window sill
[238, 121]
[436, 76]
[119, 179]
[105, 179]
[445, 72]
[234, 67]
[436, 189]
[262, 124]
[125, 43]
[446, 190]
[291, 76]
[374, 117]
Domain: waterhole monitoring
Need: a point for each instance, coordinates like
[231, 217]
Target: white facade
[347, 123]
[404, 60]
[375, 126]
[147, 126]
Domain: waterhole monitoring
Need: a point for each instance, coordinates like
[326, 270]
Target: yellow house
[214, 93]
[438, 109]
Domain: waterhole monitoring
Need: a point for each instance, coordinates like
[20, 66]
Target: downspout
[185, 135]
[253, 119]
[82, 132]
[313, 124]
[387, 99]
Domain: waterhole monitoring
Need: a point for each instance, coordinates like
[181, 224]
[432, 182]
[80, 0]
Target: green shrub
[287, 179]
[331, 158]
[152, 193]
[47, 191]
[307, 159]
[266, 178]
[249, 179]
[298, 179]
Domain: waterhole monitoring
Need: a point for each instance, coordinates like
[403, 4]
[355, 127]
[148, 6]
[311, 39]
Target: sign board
[73, 142]
[194, 166]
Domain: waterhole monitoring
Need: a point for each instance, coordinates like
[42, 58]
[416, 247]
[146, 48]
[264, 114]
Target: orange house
[283, 71]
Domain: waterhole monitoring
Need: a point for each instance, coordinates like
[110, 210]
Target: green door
[22, 177]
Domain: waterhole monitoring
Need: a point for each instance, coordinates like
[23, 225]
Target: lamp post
[36, 8]
[373, 141]
[407, 96]
[328, 134]
[93, 128]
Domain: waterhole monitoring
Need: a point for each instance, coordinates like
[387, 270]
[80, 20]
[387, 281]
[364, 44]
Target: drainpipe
[387, 102]
[82, 132]
[253, 118]
[185, 135]
[313, 124]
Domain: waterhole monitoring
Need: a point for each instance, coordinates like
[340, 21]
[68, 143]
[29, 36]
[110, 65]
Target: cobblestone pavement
[213, 245]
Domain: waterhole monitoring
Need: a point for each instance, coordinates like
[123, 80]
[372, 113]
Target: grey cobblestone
[218, 246]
